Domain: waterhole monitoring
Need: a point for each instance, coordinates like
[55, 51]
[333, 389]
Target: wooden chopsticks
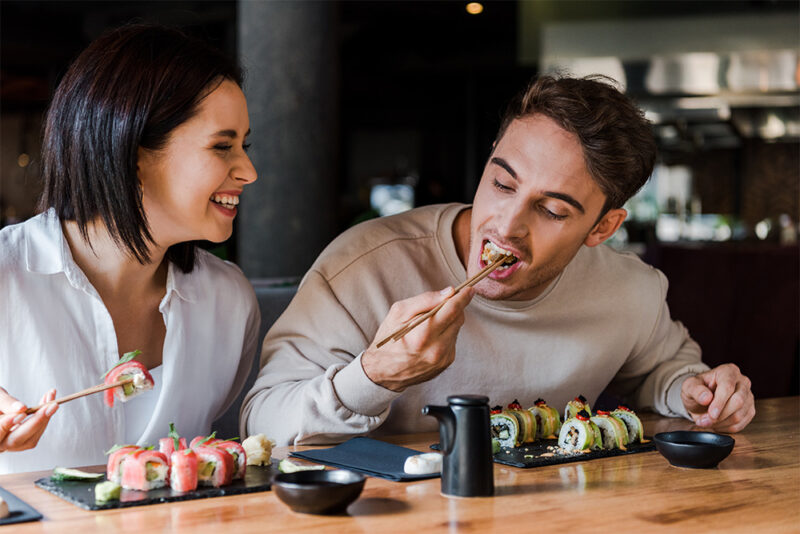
[419, 319]
[87, 391]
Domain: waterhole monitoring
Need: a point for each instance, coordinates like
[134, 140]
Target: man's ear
[606, 227]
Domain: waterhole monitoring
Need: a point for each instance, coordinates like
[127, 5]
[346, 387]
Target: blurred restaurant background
[366, 109]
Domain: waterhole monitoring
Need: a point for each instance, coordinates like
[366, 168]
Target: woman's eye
[245, 146]
[500, 186]
[223, 147]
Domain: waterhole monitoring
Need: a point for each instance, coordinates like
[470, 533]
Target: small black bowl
[318, 492]
[685, 448]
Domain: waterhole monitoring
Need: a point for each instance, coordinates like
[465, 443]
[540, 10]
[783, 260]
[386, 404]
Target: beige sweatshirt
[603, 322]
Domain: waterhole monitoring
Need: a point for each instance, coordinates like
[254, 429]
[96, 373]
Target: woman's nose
[245, 171]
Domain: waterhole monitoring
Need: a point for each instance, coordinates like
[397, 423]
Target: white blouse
[55, 331]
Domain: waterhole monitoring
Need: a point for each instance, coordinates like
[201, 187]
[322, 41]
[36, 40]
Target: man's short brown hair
[618, 144]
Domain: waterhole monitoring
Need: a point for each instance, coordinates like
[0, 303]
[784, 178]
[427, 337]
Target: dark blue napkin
[369, 456]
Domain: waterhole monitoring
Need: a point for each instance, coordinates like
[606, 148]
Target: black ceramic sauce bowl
[685, 448]
[318, 492]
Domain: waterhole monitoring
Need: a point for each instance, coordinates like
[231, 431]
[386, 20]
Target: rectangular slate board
[257, 478]
[19, 510]
[516, 457]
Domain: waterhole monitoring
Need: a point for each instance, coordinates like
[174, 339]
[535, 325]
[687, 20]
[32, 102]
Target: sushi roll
[613, 434]
[579, 433]
[142, 381]
[576, 405]
[525, 420]
[144, 470]
[172, 443]
[505, 428]
[183, 470]
[632, 423]
[204, 440]
[239, 456]
[214, 466]
[548, 423]
[115, 459]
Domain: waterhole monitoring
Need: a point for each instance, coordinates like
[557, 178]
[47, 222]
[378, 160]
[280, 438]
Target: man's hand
[425, 351]
[719, 398]
[17, 434]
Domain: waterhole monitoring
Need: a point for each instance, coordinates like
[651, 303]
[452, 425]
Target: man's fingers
[404, 310]
[727, 378]
[27, 434]
[696, 394]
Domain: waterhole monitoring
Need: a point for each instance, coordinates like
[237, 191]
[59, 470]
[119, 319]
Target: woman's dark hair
[618, 143]
[130, 88]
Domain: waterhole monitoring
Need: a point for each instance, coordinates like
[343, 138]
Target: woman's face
[191, 187]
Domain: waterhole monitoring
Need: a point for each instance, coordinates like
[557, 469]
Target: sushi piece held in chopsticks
[127, 368]
[576, 405]
[632, 423]
[504, 428]
[144, 470]
[548, 422]
[613, 434]
[579, 433]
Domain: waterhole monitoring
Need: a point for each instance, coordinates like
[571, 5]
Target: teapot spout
[447, 425]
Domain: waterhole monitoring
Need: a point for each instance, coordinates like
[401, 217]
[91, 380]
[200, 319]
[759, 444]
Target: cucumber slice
[66, 473]
[286, 466]
[107, 491]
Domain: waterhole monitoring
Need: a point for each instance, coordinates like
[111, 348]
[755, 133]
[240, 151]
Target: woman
[143, 154]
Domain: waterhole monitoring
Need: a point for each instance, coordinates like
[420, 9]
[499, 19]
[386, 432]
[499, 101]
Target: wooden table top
[756, 489]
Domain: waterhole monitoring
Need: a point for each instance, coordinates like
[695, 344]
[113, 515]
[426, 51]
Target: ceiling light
[474, 8]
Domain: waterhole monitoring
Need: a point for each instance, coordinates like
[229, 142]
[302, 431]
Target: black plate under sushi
[544, 452]
[257, 478]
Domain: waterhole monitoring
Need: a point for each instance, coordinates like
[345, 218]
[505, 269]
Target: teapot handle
[447, 425]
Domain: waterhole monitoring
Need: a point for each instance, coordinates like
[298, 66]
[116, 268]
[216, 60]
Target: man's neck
[110, 269]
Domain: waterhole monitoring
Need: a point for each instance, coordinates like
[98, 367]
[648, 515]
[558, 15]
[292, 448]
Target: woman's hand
[16, 433]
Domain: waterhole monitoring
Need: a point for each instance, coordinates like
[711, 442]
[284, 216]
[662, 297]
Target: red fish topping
[496, 409]
[602, 412]
[515, 405]
[582, 415]
[623, 407]
[540, 402]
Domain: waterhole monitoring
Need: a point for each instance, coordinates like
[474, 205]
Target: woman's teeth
[228, 201]
[492, 253]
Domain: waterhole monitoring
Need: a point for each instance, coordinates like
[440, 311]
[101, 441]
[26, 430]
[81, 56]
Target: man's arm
[316, 386]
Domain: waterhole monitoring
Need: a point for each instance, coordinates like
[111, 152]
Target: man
[570, 316]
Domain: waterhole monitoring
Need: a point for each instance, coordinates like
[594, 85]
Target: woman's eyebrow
[228, 133]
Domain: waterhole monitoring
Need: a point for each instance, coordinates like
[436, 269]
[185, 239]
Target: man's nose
[514, 221]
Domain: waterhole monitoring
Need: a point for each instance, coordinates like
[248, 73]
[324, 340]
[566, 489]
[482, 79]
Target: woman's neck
[110, 269]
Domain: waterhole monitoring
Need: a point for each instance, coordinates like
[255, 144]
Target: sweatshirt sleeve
[652, 377]
[312, 387]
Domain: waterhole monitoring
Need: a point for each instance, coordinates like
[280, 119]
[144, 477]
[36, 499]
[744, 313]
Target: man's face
[536, 200]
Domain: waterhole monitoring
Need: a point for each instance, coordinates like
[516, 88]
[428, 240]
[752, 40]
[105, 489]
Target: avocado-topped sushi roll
[145, 470]
[214, 466]
[127, 368]
[632, 423]
[183, 470]
[579, 433]
[116, 455]
[613, 433]
[548, 423]
[525, 420]
[504, 427]
[576, 405]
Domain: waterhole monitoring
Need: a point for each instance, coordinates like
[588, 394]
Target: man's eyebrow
[228, 133]
[566, 198]
[504, 164]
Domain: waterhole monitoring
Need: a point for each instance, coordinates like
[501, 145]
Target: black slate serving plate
[257, 478]
[530, 455]
[19, 510]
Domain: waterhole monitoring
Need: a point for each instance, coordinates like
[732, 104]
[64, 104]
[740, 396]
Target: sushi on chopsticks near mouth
[525, 420]
[504, 428]
[127, 368]
[579, 433]
[548, 422]
[632, 423]
[576, 405]
[613, 434]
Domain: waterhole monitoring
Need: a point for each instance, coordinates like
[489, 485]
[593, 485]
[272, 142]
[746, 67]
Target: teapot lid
[468, 400]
